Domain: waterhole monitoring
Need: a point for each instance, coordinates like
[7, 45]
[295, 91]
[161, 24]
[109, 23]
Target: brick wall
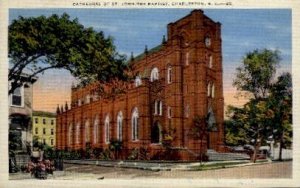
[188, 55]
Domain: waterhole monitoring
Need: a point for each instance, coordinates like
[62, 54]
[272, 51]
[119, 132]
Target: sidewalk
[24, 175]
[84, 171]
[162, 166]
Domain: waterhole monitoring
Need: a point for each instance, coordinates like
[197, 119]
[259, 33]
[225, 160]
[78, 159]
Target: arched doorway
[156, 133]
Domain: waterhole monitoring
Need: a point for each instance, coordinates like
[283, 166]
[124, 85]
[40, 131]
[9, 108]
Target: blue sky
[243, 30]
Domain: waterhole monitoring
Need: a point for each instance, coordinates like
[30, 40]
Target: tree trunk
[256, 148]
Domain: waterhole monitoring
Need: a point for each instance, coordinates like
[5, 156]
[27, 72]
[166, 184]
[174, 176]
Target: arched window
[154, 74]
[119, 125]
[135, 124]
[187, 58]
[156, 133]
[87, 131]
[210, 62]
[70, 134]
[107, 129]
[211, 120]
[169, 75]
[77, 132]
[96, 130]
[169, 112]
[158, 107]
[213, 90]
[208, 89]
[87, 99]
[138, 81]
[187, 111]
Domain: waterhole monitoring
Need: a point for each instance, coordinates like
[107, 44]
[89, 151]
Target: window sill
[17, 106]
[156, 144]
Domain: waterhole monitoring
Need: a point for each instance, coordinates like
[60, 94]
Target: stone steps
[216, 156]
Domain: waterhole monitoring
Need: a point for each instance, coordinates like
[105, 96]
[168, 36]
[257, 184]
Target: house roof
[43, 114]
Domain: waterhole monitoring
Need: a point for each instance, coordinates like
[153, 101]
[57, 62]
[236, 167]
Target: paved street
[90, 172]
[270, 170]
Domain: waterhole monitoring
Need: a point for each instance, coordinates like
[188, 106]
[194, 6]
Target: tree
[235, 136]
[268, 113]
[256, 73]
[199, 131]
[37, 44]
[281, 103]
[254, 120]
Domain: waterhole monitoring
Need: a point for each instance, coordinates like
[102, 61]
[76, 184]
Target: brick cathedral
[173, 84]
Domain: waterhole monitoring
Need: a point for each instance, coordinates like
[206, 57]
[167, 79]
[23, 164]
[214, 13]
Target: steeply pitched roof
[151, 51]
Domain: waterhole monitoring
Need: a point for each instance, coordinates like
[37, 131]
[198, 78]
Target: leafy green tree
[281, 102]
[268, 113]
[254, 121]
[235, 136]
[256, 73]
[37, 44]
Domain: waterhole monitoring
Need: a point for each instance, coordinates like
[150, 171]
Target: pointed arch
[77, 132]
[213, 90]
[154, 74]
[107, 129]
[96, 129]
[135, 124]
[138, 81]
[211, 120]
[156, 135]
[169, 74]
[70, 134]
[120, 126]
[208, 89]
[87, 131]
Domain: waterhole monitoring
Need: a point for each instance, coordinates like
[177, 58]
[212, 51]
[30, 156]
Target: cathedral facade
[175, 100]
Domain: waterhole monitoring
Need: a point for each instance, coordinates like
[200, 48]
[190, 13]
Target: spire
[146, 50]
[164, 40]
[61, 109]
[131, 57]
[57, 110]
[66, 106]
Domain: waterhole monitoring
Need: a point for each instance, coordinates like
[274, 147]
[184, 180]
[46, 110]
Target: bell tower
[197, 40]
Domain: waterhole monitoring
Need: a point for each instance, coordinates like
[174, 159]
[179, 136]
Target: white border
[295, 181]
